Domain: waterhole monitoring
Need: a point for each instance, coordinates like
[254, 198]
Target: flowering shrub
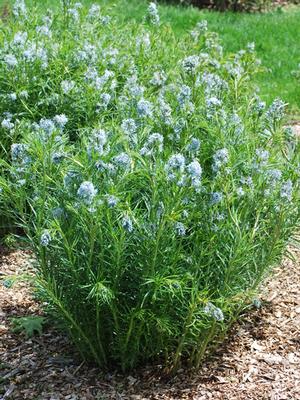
[154, 185]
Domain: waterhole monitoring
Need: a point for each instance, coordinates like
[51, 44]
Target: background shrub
[153, 184]
[232, 5]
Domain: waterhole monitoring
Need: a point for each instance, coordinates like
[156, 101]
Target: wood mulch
[261, 359]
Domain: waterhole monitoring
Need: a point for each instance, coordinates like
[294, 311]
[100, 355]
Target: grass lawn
[276, 36]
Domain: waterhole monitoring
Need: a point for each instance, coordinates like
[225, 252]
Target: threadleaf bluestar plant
[154, 186]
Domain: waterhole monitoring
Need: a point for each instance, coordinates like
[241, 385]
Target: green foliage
[10, 241]
[232, 5]
[156, 188]
[30, 325]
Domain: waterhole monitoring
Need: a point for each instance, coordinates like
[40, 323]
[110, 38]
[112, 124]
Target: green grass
[275, 34]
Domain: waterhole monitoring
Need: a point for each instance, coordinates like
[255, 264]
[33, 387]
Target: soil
[260, 360]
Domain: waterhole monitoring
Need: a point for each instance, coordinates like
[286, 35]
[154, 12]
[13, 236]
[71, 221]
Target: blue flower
[144, 108]
[7, 124]
[112, 201]
[184, 95]
[154, 142]
[20, 38]
[153, 13]
[276, 111]
[98, 141]
[190, 63]
[67, 86]
[258, 105]
[122, 160]
[165, 111]
[10, 60]
[175, 166]
[194, 145]
[240, 191]
[70, 179]
[287, 190]
[200, 29]
[220, 158]
[104, 101]
[57, 157]
[47, 125]
[262, 155]
[159, 78]
[94, 11]
[19, 9]
[60, 120]
[58, 212]
[195, 171]
[12, 96]
[212, 105]
[216, 197]
[273, 176]
[45, 238]
[19, 153]
[212, 311]
[129, 126]
[127, 224]
[180, 229]
[87, 192]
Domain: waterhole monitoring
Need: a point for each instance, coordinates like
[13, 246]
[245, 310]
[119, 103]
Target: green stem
[74, 324]
[98, 334]
[126, 342]
[183, 336]
[203, 347]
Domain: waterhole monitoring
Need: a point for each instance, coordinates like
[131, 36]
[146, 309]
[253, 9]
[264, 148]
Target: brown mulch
[261, 359]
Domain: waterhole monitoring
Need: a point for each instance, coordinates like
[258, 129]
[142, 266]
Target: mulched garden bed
[260, 360]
